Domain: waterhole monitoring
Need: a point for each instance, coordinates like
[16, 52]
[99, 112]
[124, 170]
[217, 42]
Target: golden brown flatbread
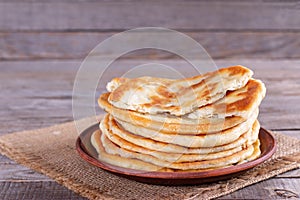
[137, 164]
[196, 124]
[114, 148]
[177, 97]
[134, 142]
[224, 137]
[121, 161]
[168, 123]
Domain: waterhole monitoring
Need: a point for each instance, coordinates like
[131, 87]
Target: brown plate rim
[176, 175]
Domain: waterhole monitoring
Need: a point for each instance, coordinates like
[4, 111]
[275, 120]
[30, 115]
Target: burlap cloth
[51, 151]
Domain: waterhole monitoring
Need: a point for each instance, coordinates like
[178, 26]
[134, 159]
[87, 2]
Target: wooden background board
[219, 44]
[36, 89]
[119, 15]
[42, 44]
[67, 29]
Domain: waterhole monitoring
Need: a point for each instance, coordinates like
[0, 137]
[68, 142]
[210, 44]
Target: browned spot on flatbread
[235, 70]
[163, 91]
[253, 89]
[171, 127]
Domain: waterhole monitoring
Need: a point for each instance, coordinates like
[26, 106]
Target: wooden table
[43, 44]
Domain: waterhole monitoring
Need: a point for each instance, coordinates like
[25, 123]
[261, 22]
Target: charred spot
[243, 103]
[158, 100]
[204, 94]
[202, 82]
[193, 87]
[163, 91]
[234, 70]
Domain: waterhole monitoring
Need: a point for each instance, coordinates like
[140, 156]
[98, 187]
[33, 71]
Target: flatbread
[219, 162]
[121, 161]
[177, 97]
[196, 141]
[168, 123]
[256, 153]
[135, 142]
[234, 108]
[113, 148]
[137, 164]
[195, 124]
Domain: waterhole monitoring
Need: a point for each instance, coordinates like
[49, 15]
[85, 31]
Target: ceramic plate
[88, 153]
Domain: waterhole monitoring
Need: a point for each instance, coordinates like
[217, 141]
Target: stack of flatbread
[194, 124]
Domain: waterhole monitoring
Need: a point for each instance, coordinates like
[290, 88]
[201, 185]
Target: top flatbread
[177, 97]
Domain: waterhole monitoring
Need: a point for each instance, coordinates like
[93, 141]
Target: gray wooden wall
[69, 29]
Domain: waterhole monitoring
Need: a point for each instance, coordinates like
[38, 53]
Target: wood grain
[291, 174]
[115, 15]
[50, 190]
[39, 93]
[267, 190]
[76, 45]
[13, 172]
[41, 190]
[47, 190]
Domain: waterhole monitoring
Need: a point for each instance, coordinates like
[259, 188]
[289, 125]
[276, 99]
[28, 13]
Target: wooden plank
[269, 189]
[66, 45]
[47, 190]
[115, 15]
[18, 173]
[291, 174]
[41, 91]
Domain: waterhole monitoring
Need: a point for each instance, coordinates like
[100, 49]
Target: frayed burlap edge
[280, 162]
